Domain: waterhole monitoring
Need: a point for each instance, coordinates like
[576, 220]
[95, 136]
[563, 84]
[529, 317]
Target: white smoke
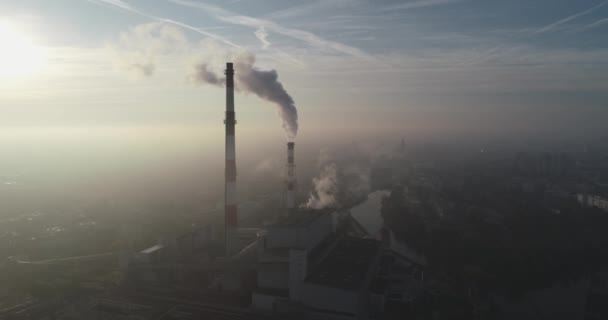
[142, 47]
[339, 183]
[325, 189]
[263, 83]
[203, 75]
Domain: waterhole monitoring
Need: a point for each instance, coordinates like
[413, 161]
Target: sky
[411, 67]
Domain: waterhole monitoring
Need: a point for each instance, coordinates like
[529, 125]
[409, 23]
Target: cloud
[558, 23]
[138, 48]
[145, 69]
[262, 35]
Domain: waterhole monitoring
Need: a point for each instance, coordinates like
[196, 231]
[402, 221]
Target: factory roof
[347, 265]
[302, 217]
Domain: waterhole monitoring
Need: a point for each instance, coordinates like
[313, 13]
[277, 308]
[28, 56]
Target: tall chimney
[290, 179]
[231, 207]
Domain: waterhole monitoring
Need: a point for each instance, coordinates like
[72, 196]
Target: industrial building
[319, 263]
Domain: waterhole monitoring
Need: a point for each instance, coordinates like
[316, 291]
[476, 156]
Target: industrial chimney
[290, 179]
[231, 207]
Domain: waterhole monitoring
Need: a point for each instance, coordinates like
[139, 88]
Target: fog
[61, 169]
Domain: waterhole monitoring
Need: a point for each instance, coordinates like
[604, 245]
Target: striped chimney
[290, 179]
[231, 207]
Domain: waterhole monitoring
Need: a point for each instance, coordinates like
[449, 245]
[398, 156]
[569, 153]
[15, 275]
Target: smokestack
[291, 179]
[230, 208]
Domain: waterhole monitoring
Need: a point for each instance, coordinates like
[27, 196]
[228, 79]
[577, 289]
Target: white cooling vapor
[341, 181]
[263, 83]
[325, 189]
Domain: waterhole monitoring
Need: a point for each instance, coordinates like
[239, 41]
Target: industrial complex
[305, 263]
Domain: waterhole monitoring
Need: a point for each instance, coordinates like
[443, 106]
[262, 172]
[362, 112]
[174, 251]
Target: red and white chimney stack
[291, 179]
[230, 198]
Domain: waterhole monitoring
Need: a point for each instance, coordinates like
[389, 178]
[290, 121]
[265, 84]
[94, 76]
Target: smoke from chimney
[325, 189]
[339, 183]
[262, 83]
[203, 75]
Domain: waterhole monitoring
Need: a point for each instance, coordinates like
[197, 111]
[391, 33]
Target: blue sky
[363, 64]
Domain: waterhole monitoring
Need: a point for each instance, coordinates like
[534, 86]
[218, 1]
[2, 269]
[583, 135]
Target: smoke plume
[325, 189]
[262, 83]
[203, 75]
[342, 182]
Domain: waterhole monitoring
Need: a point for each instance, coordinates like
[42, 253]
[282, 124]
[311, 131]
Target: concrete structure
[308, 261]
[284, 253]
[339, 285]
[230, 197]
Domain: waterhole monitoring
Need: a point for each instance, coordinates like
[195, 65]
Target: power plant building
[318, 262]
[308, 257]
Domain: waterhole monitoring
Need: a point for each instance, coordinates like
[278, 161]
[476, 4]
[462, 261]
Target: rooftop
[347, 265]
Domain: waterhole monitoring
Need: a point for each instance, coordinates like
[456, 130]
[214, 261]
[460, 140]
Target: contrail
[271, 26]
[262, 83]
[570, 18]
[127, 7]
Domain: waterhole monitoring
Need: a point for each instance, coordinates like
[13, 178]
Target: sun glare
[18, 55]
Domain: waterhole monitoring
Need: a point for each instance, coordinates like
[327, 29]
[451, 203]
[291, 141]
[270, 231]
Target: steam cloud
[262, 83]
[325, 189]
[338, 185]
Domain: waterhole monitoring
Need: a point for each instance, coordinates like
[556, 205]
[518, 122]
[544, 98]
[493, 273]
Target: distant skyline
[442, 65]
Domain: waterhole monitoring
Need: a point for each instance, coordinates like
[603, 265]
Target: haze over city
[427, 139]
